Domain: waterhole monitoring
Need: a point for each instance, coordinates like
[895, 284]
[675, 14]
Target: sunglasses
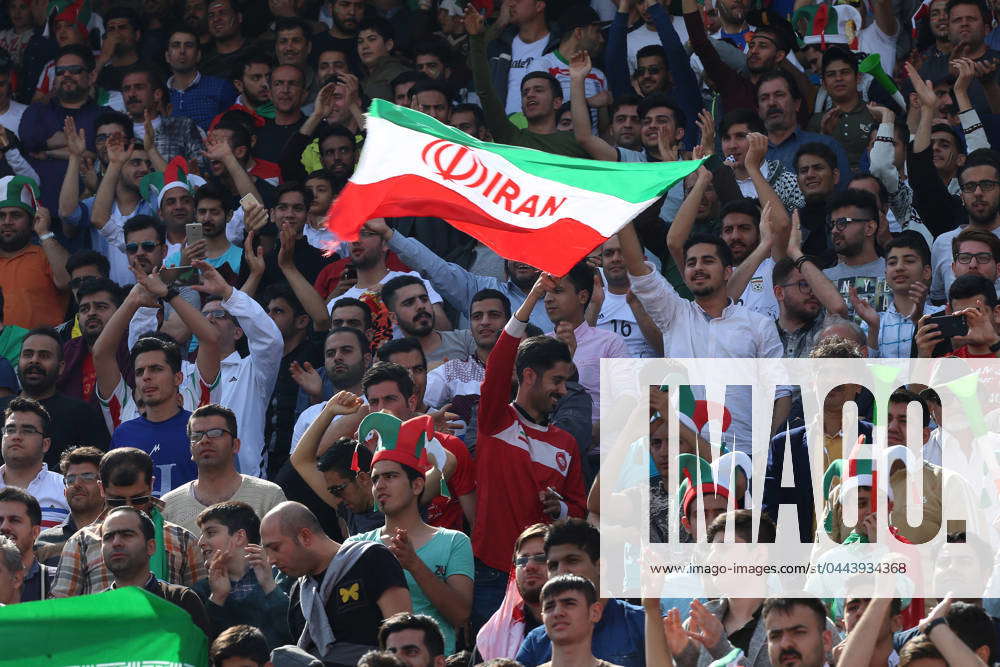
[196, 436]
[338, 489]
[522, 561]
[70, 480]
[652, 69]
[840, 224]
[70, 69]
[134, 501]
[147, 246]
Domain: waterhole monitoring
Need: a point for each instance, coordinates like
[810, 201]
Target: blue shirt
[167, 444]
[785, 152]
[233, 257]
[80, 218]
[619, 638]
[203, 100]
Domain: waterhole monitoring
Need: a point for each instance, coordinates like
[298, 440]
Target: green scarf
[266, 110]
[158, 563]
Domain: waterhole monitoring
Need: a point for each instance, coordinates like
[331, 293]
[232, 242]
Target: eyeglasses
[70, 480]
[987, 186]
[102, 138]
[980, 257]
[70, 69]
[652, 69]
[13, 429]
[522, 561]
[217, 314]
[196, 436]
[337, 490]
[841, 223]
[75, 283]
[147, 246]
[134, 501]
[803, 286]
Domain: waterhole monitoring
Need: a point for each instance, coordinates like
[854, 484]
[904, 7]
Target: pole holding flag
[529, 206]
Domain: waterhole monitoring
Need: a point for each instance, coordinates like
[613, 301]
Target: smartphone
[180, 276]
[248, 199]
[350, 272]
[194, 232]
[950, 325]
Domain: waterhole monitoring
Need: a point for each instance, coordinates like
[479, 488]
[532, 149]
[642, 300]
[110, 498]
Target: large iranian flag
[542, 209]
[129, 627]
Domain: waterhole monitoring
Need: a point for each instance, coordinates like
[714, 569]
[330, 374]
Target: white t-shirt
[617, 316]
[307, 417]
[356, 292]
[522, 61]
[872, 40]
[759, 293]
[595, 82]
[11, 118]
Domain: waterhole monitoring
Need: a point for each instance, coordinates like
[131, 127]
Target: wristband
[888, 140]
[172, 292]
[973, 128]
[933, 624]
[995, 347]
[802, 260]
[46, 236]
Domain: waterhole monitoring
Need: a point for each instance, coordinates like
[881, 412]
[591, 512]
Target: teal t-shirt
[10, 343]
[233, 257]
[446, 554]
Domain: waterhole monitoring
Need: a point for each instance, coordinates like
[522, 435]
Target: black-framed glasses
[337, 490]
[134, 501]
[987, 186]
[840, 224]
[14, 429]
[196, 436]
[70, 69]
[76, 283]
[803, 286]
[651, 69]
[522, 561]
[70, 480]
[980, 257]
[147, 246]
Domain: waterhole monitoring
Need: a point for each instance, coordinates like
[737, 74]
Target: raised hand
[445, 421]
[76, 140]
[474, 23]
[118, 152]
[795, 236]
[286, 247]
[706, 123]
[307, 377]
[579, 66]
[149, 131]
[402, 548]
[218, 577]
[828, 123]
[255, 217]
[344, 403]
[923, 89]
[565, 332]
[42, 223]
[881, 113]
[928, 335]
[865, 310]
[216, 148]
[677, 636]
[212, 281]
[253, 257]
[965, 72]
[257, 561]
[704, 626]
[325, 101]
[756, 150]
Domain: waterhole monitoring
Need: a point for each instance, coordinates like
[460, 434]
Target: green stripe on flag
[634, 182]
[128, 626]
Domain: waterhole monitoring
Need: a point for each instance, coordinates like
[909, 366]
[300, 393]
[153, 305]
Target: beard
[16, 242]
[421, 329]
[983, 220]
[72, 95]
[37, 385]
[348, 377]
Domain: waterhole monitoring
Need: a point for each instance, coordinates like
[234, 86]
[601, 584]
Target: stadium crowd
[207, 395]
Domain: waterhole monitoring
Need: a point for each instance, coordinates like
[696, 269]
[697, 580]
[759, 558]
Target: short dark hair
[184, 30]
[339, 456]
[336, 184]
[742, 521]
[240, 134]
[400, 346]
[393, 285]
[906, 396]
[488, 294]
[284, 292]
[362, 340]
[386, 371]
[378, 25]
[883, 192]
[116, 118]
[985, 13]
[773, 75]
[433, 47]
[13, 494]
[652, 51]
[375, 658]
[406, 76]
[122, 466]
[540, 353]
[625, 100]
[983, 157]
[284, 23]
[294, 186]
[25, 404]
[153, 77]
[425, 85]
[818, 149]
[914, 241]
[565, 583]
[145, 523]
[47, 332]
[657, 100]
[404, 620]
[721, 248]
[742, 117]
[918, 648]
[78, 455]
[582, 278]
[337, 130]
[973, 626]
[80, 51]
[210, 191]
[239, 641]
[474, 109]
[970, 234]
[575, 532]
[235, 516]
[857, 198]
[153, 344]
[837, 54]
[554, 84]
[357, 303]
[82, 258]
[255, 57]
[747, 207]
[785, 606]
[123, 12]
[970, 285]
[92, 285]
[138, 223]
[215, 410]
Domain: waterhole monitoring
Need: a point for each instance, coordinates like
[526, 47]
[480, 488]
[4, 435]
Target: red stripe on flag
[554, 248]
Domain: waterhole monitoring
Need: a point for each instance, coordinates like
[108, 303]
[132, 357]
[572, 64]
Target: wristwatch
[171, 293]
[995, 347]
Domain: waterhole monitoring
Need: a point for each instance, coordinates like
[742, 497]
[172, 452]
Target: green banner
[129, 627]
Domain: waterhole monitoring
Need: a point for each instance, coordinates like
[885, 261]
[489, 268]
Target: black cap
[577, 16]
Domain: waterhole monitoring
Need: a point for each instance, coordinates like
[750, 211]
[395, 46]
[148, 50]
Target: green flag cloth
[128, 626]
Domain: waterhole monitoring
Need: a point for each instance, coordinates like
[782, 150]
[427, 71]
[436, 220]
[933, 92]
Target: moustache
[133, 100]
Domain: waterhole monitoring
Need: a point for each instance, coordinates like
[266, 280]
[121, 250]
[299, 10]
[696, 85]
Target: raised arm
[69, 192]
[307, 295]
[680, 228]
[685, 90]
[826, 292]
[748, 267]
[756, 151]
[303, 459]
[635, 260]
[105, 348]
[599, 149]
[104, 200]
[149, 142]
[615, 56]
[219, 149]
[55, 253]
[493, 107]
